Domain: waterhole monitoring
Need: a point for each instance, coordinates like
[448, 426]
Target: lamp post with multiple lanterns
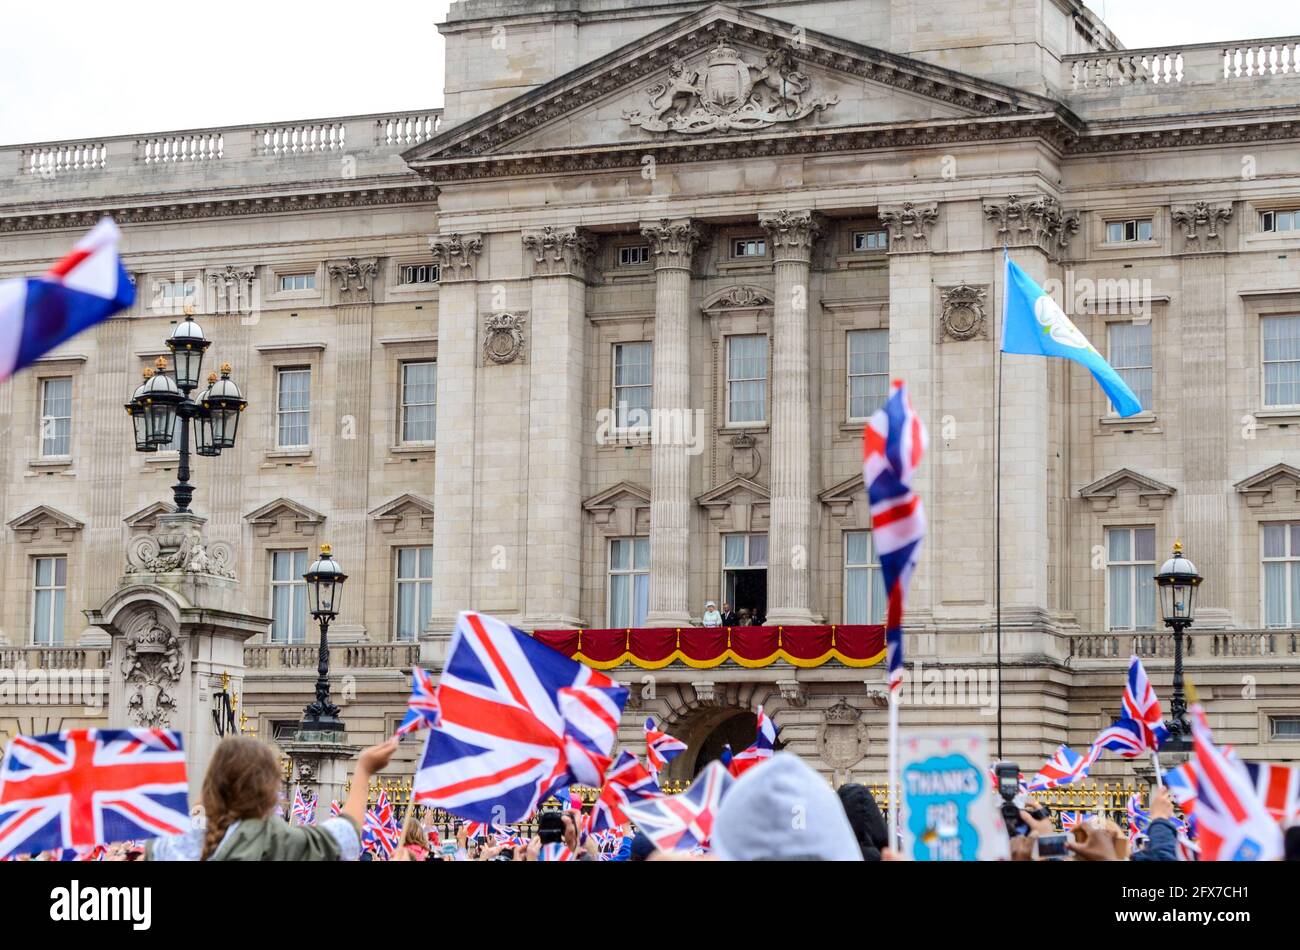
[324, 591]
[1177, 582]
[163, 400]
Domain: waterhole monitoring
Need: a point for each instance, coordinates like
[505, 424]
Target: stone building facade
[741, 218]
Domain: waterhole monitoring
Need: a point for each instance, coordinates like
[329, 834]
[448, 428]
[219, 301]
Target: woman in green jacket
[240, 792]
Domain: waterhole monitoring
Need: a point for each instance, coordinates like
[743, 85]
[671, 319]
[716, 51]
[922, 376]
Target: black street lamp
[1178, 581]
[162, 401]
[324, 591]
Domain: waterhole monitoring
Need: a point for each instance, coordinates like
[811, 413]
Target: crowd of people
[780, 810]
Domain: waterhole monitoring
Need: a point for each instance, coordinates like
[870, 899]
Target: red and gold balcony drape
[706, 647]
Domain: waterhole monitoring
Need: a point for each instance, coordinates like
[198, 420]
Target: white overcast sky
[82, 68]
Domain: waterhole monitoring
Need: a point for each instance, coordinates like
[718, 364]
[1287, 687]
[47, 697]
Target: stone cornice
[156, 209]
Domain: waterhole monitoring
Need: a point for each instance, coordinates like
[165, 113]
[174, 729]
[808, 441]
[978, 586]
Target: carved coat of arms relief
[728, 94]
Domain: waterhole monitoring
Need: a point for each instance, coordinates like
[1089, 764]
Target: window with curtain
[414, 594]
[1130, 578]
[868, 369]
[49, 595]
[1130, 355]
[288, 597]
[864, 585]
[629, 581]
[746, 379]
[1281, 575]
[419, 401]
[632, 384]
[56, 417]
[1281, 339]
[293, 407]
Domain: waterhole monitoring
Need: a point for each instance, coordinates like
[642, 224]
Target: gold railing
[1107, 799]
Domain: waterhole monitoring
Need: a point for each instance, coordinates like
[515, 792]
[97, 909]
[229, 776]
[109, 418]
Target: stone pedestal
[320, 767]
[175, 630]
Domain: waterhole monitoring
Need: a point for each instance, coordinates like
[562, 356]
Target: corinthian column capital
[561, 252]
[673, 241]
[792, 233]
[456, 255]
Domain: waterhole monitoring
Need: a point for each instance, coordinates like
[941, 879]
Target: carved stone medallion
[745, 460]
[503, 338]
[842, 737]
[152, 664]
[963, 312]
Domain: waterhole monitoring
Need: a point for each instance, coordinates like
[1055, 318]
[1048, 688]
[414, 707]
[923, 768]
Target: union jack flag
[517, 721]
[764, 747]
[82, 787]
[1073, 819]
[475, 829]
[422, 707]
[1123, 736]
[507, 838]
[1181, 782]
[1064, 768]
[335, 808]
[627, 781]
[1278, 787]
[556, 851]
[660, 748]
[1142, 707]
[381, 830]
[684, 822]
[1138, 820]
[725, 756]
[304, 809]
[1232, 822]
[893, 442]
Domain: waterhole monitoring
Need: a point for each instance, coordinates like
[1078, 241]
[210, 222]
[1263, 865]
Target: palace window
[174, 296]
[1281, 575]
[420, 274]
[56, 417]
[1130, 578]
[414, 595]
[1130, 355]
[629, 581]
[746, 379]
[868, 371]
[1279, 221]
[634, 255]
[419, 401]
[744, 573]
[288, 597]
[870, 241]
[1281, 337]
[293, 407]
[1123, 232]
[297, 281]
[864, 585]
[749, 247]
[1284, 728]
[632, 384]
[49, 594]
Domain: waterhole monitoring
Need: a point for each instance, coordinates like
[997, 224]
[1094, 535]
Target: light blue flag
[1033, 324]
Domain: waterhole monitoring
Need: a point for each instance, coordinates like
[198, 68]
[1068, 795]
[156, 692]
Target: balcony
[1197, 645]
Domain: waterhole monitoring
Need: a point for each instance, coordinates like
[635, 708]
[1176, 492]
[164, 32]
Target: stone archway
[705, 730]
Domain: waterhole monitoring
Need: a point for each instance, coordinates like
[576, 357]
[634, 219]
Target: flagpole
[1155, 760]
[895, 799]
[997, 509]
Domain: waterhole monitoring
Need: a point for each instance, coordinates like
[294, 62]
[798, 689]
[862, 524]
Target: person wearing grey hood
[783, 811]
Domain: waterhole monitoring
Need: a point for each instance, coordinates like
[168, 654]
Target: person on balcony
[711, 616]
[728, 615]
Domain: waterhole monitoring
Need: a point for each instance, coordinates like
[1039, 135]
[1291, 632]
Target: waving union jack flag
[82, 787]
[1064, 768]
[1073, 819]
[684, 822]
[626, 782]
[556, 851]
[893, 443]
[1142, 706]
[304, 809]
[381, 831]
[1181, 782]
[1278, 787]
[660, 748]
[517, 721]
[1123, 736]
[1233, 823]
[422, 707]
[764, 747]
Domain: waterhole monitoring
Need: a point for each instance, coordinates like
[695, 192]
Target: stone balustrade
[52, 658]
[348, 656]
[1193, 64]
[1197, 644]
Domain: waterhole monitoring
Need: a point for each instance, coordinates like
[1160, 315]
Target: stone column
[789, 575]
[562, 265]
[457, 256]
[673, 244]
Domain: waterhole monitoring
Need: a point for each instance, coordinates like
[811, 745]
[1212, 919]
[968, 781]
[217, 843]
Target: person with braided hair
[239, 794]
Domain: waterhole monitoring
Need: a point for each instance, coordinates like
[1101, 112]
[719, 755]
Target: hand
[534, 849]
[590, 847]
[1093, 844]
[889, 854]
[462, 837]
[402, 854]
[1037, 826]
[1022, 848]
[375, 759]
[1162, 804]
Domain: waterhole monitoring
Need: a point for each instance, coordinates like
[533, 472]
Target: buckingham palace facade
[595, 344]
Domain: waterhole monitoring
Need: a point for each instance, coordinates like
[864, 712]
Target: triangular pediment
[1280, 482]
[1140, 491]
[33, 522]
[738, 490]
[717, 75]
[622, 493]
[404, 511]
[147, 517]
[844, 491]
[284, 516]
